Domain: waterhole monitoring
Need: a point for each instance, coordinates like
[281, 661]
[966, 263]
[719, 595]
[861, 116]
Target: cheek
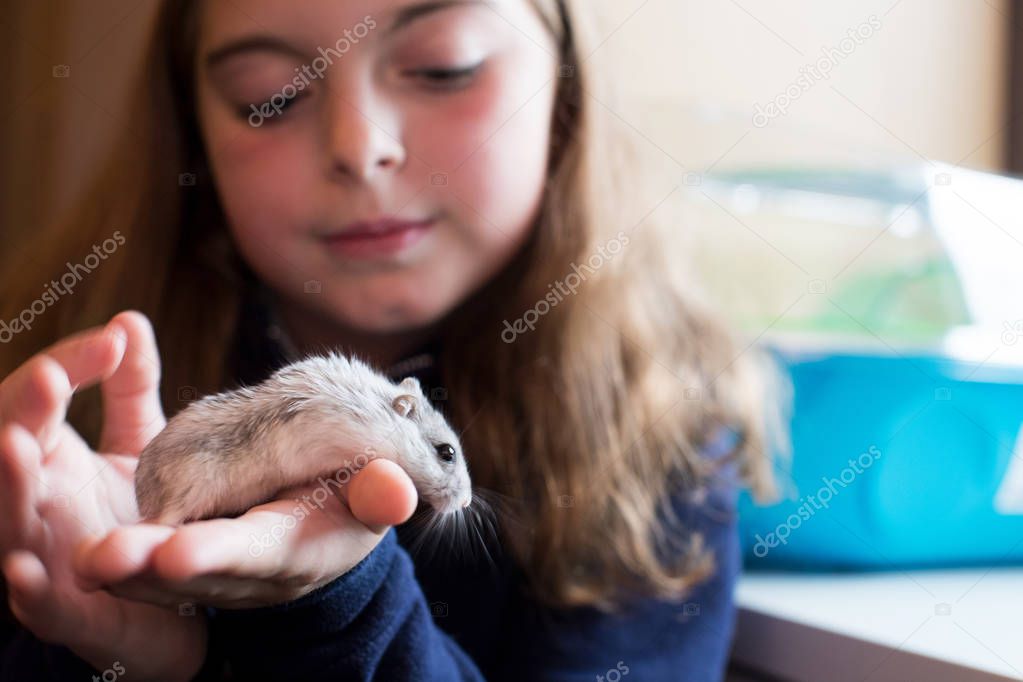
[503, 180]
[494, 145]
[503, 106]
[262, 179]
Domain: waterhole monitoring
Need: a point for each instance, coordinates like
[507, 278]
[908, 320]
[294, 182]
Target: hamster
[227, 452]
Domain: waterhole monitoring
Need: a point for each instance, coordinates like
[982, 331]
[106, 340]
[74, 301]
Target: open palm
[60, 497]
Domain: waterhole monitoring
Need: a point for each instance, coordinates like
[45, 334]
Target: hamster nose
[467, 502]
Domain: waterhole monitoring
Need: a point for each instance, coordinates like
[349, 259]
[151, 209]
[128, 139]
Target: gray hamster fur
[225, 453]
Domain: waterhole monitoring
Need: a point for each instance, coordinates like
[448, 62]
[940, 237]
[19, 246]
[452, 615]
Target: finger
[121, 554]
[20, 480]
[88, 356]
[381, 495]
[132, 413]
[303, 532]
[149, 590]
[31, 596]
[118, 563]
[36, 394]
[300, 539]
[290, 545]
[213, 590]
[257, 544]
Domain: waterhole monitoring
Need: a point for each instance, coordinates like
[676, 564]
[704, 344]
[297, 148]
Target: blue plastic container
[898, 460]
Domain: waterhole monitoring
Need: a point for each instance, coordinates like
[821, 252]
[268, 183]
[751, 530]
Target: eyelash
[446, 79]
[246, 110]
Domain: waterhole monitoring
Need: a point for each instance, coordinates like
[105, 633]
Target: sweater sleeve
[373, 622]
[23, 657]
[650, 639]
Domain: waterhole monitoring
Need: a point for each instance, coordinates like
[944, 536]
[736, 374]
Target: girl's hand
[275, 552]
[57, 494]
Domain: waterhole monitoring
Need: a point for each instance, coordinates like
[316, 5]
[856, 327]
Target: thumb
[132, 413]
[381, 495]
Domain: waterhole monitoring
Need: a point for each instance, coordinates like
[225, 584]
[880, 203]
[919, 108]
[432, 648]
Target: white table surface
[960, 625]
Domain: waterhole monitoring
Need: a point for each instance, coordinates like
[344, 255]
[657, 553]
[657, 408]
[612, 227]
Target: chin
[393, 318]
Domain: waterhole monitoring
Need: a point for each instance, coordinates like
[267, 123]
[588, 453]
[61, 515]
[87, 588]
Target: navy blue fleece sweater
[447, 618]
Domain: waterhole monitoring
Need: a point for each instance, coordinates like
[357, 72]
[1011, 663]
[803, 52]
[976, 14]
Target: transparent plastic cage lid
[925, 256]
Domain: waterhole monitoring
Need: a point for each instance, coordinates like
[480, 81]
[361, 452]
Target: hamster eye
[446, 452]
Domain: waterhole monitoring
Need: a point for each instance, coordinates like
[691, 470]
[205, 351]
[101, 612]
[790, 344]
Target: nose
[363, 141]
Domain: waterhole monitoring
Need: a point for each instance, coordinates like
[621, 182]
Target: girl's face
[378, 160]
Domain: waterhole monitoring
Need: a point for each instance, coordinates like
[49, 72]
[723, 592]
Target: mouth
[450, 507]
[376, 238]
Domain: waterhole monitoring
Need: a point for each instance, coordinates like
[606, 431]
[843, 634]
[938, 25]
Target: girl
[439, 187]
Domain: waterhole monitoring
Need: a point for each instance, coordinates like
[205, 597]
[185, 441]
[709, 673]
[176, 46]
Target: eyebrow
[406, 15]
[265, 43]
[257, 43]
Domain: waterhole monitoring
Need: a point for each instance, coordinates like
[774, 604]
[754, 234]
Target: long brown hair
[589, 418]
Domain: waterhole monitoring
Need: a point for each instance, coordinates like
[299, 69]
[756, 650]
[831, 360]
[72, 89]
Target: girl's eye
[446, 78]
[268, 111]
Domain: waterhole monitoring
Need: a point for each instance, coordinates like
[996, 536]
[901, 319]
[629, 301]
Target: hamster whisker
[457, 533]
[483, 546]
[421, 526]
[425, 525]
[499, 506]
[458, 537]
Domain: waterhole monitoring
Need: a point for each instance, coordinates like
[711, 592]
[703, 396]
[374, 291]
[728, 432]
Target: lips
[378, 227]
[376, 238]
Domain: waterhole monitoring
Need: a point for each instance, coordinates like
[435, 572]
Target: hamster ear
[410, 385]
[405, 405]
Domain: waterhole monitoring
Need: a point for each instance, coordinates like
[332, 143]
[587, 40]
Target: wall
[928, 81]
